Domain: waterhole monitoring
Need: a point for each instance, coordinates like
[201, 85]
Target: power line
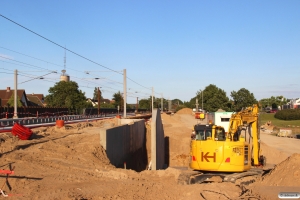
[58, 44]
[30, 56]
[24, 63]
[138, 83]
[30, 64]
[6, 73]
[70, 50]
[95, 83]
[86, 72]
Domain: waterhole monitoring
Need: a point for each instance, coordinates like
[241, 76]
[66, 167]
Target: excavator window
[220, 135]
[203, 134]
[200, 135]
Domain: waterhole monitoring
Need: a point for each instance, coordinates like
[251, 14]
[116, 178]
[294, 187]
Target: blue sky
[175, 47]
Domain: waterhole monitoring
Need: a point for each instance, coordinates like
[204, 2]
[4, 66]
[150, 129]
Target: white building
[296, 103]
[222, 118]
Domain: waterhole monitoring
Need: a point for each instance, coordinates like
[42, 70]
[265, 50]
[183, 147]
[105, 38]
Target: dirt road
[283, 144]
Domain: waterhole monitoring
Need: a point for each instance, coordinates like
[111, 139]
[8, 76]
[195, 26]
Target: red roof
[6, 94]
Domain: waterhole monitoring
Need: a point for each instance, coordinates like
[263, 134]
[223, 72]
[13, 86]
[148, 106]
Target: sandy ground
[69, 163]
[282, 144]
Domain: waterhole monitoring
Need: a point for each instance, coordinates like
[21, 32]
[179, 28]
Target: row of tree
[67, 94]
[214, 98]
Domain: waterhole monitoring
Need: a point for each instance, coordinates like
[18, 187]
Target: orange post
[60, 123]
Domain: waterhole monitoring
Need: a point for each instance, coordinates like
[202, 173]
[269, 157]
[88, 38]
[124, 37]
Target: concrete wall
[157, 141]
[124, 142]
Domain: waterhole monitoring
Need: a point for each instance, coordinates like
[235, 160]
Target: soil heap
[287, 173]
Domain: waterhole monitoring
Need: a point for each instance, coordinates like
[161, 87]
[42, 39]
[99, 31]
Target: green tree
[264, 103]
[187, 104]
[213, 99]
[118, 98]
[156, 102]
[177, 101]
[242, 99]
[165, 104]
[145, 104]
[274, 102]
[95, 94]
[11, 101]
[67, 94]
[105, 105]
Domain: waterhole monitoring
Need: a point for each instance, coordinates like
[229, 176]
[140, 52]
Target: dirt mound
[287, 173]
[272, 155]
[267, 126]
[185, 111]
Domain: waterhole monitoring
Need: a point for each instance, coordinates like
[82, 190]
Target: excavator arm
[247, 118]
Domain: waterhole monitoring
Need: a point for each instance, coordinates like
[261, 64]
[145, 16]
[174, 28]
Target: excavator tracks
[235, 176]
[196, 177]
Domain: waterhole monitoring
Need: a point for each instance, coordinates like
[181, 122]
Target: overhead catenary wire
[83, 57]
[11, 64]
[30, 66]
[22, 73]
[58, 44]
[30, 56]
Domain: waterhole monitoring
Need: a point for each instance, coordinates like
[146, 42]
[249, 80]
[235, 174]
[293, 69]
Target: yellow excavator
[231, 155]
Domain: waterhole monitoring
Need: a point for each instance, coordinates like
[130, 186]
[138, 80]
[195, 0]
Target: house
[95, 102]
[292, 104]
[106, 101]
[5, 95]
[36, 100]
[295, 103]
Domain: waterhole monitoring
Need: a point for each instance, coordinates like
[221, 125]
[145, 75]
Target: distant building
[295, 103]
[95, 102]
[292, 104]
[222, 118]
[5, 95]
[36, 99]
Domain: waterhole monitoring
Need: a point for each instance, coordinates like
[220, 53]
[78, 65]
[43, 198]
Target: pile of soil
[267, 126]
[287, 173]
[185, 111]
[272, 155]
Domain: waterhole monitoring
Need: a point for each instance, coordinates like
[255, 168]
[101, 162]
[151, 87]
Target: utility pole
[99, 94]
[162, 102]
[152, 100]
[16, 95]
[202, 99]
[137, 105]
[124, 91]
[197, 110]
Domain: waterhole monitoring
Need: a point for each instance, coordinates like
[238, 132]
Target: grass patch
[294, 125]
